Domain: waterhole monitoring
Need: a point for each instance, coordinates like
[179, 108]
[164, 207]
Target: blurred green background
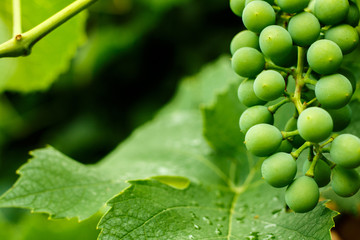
[135, 55]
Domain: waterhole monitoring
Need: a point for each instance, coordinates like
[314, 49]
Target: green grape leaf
[221, 124]
[55, 184]
[251, 211]
[50, 56]
[185, 172]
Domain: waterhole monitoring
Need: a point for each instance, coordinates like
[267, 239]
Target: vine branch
[21, 43]
[16, 17]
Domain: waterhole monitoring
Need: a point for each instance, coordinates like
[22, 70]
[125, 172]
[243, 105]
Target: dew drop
[221, 218]
[269, 236]
[197, 227]
[191, 237]
[207, 220]
[253, 236]
[218, 231]
[270, 225]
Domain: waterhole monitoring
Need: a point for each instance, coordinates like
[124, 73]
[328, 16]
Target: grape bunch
[292, 52]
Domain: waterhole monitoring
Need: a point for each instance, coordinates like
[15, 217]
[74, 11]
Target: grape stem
[289, 134]
[310, 172]
[327, 161]
[276, 106]
[328, 141]
[298, 151]
[22, 43]
[310, 102]
[16, 17]
[271, 65]
[299, 80]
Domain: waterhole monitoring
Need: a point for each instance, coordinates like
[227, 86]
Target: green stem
[310, 172]
[298, 151]
[276, 106]
[310, 81]
[16, 17]
[289, 134]
[327, 161]
[22, 43]
[299, 81]
[271, 65]
[310, 102]
[329, 140]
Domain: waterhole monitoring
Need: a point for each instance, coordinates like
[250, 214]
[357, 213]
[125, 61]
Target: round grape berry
[322, 172]
[263, 139]
[237, 7]
[244, 38]
[302, 195]
[314, 124]
[257, 15]
[304, 36]
[345, 182]
[285, 146]
[279, 169]
[291, 6]
[324, 56]
[269, 85]
[353, 15]
[333, 91]
[247, 95]
[255, 115]
[341, 117]
[275, 42]
[248, 62]
[331, 12]
[345, 36]
[345, 151]
[296, 140]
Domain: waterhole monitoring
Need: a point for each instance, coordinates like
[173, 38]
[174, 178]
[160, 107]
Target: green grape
[350, 76]
[288, 60]
[255, 115]
[314, 124]
[257, 15]
[244, 38]
[271, 2]
[345, 36]
[291, 6]
[302, 195]
[269, 85]
[333, 91]
[331, 12]
[279, 169]
[248, 62]
[247, 95]
[345, 151]
[324, 56]
[275, 42]
[353, 15]
[296, 140]
[285, 146]
[341, 117]
[237, 7]
[322, 172]
[304, 36]
[263, 139]
[345, 182]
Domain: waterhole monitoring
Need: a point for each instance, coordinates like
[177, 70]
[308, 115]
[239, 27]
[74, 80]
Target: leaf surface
[253, 211]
